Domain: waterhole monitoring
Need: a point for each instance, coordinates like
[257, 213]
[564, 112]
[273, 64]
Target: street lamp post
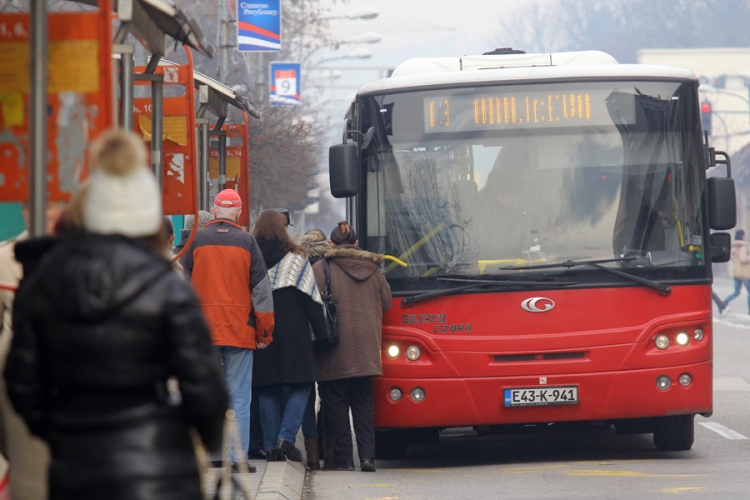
[365, 13]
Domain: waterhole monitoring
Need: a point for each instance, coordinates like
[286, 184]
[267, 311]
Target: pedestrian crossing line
[722, 431]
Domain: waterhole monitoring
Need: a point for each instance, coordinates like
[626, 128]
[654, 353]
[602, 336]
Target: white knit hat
[123, 196]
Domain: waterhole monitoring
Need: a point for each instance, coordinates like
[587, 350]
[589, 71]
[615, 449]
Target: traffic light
[706, 117]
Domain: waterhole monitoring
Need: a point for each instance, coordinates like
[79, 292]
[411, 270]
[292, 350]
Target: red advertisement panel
[179, 139]
[80, 98]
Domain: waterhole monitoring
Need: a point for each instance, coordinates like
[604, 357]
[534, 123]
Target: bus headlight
[682, 339]
[395, 393]
[393, 351]
[663, 382]
[413, 353]
[661, 341]
[417, 394]
[685, 379]
[698, 334]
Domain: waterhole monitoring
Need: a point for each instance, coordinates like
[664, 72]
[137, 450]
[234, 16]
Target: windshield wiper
[662, 288]
[476, 283]
[567, 263]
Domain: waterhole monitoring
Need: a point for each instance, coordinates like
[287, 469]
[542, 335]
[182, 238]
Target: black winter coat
[99, 326]
[290, 358]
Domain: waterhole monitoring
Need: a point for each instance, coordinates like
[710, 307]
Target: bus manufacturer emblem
[538, 304]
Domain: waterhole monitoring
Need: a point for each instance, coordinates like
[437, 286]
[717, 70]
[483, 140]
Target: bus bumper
[456, 402]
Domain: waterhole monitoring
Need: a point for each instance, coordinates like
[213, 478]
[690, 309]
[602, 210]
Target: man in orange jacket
[227, 270]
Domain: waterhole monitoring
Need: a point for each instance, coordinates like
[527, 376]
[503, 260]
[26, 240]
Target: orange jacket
[227, 271]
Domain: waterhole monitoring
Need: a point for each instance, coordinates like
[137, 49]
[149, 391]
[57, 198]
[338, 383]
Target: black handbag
[331, 308]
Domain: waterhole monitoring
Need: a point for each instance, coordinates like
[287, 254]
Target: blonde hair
[118, 152]
[74, 213]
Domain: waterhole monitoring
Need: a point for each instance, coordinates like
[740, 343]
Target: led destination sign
[524, 110]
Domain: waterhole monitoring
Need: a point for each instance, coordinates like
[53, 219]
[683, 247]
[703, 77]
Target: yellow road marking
[677, 491]
[623, 473]
[383, 498]
[533, 468]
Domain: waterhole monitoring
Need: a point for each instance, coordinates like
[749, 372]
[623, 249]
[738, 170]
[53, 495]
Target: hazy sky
[418, 28]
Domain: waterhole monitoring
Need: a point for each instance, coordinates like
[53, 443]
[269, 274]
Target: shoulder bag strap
[327, 273]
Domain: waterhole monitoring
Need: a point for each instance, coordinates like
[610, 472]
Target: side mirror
[722, 203]
[721, 247]
[343, 168]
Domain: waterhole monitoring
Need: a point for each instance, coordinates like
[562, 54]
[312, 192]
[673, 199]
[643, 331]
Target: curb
[282, 481]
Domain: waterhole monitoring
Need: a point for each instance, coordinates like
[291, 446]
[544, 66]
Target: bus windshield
[471, 181]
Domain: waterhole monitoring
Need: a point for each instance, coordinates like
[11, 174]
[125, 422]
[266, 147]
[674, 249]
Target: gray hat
[203, 219]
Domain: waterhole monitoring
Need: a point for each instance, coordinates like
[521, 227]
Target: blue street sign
[285, 84]
[259, 25]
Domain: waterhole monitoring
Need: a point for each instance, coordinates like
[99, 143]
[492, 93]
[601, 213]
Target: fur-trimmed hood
[316, 248]
[357, 263]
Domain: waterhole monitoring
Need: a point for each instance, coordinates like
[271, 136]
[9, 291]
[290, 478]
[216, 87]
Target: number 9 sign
[285, 83]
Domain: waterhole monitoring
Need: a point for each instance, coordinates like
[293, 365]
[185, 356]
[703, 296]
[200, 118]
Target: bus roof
[521, 68]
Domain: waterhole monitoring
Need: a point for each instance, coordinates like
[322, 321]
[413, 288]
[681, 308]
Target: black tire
[390, 445]
[674, 433]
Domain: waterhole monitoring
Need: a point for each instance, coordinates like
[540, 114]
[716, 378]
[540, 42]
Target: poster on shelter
[285, 84]
[259, 26]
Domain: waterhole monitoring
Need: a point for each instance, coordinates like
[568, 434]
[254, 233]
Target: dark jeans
[339, 397]
[737, 287]
[721, 305]
[256, 431]
[275, 425]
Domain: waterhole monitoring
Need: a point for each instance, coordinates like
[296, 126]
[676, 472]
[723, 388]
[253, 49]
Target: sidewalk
[272, 481]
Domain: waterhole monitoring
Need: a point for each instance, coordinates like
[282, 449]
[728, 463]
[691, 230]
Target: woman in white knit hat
[100, 326]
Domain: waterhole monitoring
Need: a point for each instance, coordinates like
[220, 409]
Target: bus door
[79, 103]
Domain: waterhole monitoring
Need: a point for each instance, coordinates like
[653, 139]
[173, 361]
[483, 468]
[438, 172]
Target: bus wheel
[674, 433]
[390, 445]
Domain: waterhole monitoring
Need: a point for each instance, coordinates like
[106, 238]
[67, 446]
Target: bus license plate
[541, 396]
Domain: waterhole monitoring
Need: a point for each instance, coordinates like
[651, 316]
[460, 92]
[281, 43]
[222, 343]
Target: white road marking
[733, 325]
[722, 431]
[731, 384]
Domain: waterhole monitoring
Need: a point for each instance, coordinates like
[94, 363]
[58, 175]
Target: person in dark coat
[345, 372]
[100, 325]
[316, 243]
[290, 359]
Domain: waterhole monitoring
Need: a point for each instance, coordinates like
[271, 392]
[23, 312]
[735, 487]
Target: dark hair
[343, 234]
[168, 227]
[271, 225]
[739, 234]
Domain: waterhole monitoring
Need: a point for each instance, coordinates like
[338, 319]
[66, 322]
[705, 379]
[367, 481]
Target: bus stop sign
[285, 84]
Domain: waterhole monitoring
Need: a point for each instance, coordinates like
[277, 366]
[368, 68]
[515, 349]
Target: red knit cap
[229, 198]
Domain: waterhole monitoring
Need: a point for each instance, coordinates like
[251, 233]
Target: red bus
[547, 220]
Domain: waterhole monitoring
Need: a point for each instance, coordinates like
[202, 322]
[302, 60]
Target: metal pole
[222, 161]
[126, 88]
[157, 128]
[141, 59]
[38, 118]
[223, 41]
[205, 156]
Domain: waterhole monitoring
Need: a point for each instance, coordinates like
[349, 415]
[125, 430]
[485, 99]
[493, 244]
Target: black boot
[256, 454]
[368, 465]
[275, 455]
[250, 467]
[313, 459]
[291, 451]
[327, 442]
